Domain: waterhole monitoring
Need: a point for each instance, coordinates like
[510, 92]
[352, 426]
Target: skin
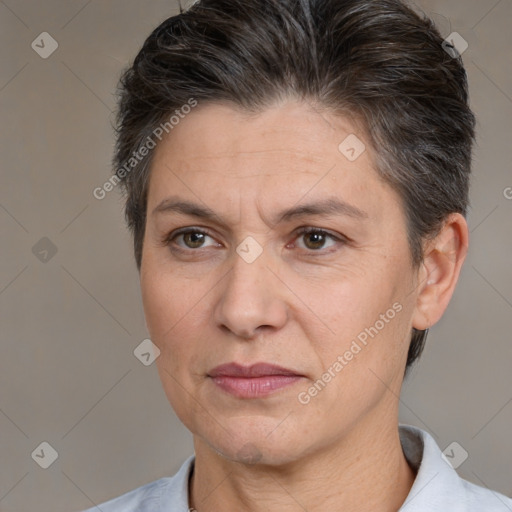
[300, 305]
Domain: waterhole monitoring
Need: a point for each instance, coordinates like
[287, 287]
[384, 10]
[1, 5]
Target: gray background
[69, 325]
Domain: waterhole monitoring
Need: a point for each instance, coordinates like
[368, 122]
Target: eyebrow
[326, 207]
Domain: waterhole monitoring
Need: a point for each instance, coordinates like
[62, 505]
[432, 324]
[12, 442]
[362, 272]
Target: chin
[255, 447]
[256, 454]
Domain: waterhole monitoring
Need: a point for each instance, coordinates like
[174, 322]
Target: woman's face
[334, 305]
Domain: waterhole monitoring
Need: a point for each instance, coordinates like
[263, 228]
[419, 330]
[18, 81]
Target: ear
[439, 272]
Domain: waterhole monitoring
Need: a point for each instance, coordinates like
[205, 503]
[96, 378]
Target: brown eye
[190, 239]
[193, 239]
[314, 239]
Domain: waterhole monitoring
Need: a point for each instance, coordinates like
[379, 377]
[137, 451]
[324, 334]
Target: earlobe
[439, 272]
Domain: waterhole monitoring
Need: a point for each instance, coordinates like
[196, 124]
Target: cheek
[166, 298]
[342, 304]
[364, 318]
[168, 308]
[174, 309]
[158, 305]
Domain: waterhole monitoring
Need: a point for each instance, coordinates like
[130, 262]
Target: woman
[296, 178]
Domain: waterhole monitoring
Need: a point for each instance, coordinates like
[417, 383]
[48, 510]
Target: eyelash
[300, 232]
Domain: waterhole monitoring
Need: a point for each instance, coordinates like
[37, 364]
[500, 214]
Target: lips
[256, 370]
[255, 381]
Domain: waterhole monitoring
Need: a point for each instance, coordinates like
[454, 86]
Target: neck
[366, 471]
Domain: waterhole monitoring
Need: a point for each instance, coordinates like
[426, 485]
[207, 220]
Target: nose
[251, 299]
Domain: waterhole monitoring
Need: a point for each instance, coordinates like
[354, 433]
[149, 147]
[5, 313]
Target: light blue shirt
[437, 487]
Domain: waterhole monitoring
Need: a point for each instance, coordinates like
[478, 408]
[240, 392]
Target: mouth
[255, 381]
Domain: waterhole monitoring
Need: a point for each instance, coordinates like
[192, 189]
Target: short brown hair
[375, 59]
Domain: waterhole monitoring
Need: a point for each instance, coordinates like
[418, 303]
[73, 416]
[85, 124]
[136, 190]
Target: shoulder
[479, 498]
[437, 486]
[155, 496]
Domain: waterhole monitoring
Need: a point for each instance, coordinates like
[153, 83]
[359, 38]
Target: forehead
[282, 154]
[293, 128]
